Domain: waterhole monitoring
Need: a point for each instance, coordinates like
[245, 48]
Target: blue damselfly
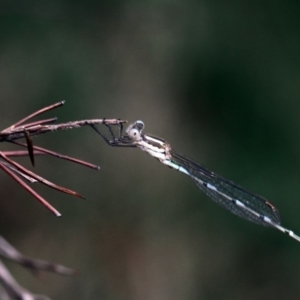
[226, 193]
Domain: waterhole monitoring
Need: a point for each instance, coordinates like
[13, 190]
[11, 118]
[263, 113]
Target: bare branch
[41, 122]
[21, 130]
[14, 133]
[29, 146]
[9, 288]
[30, 190]
[13, 289]
[39, 178]
[19, 153]
[14, 169]
[43, 110]
[40, 150]
[11, 253]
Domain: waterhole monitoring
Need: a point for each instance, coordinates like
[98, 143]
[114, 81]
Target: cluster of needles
[24, 129]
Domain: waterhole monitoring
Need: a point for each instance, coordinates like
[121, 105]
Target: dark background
[220, 81]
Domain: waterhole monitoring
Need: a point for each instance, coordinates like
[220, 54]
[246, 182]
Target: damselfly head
[134, 131]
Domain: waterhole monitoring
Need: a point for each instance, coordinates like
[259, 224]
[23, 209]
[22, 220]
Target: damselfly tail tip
[293, 235]
[62, 102]
[289, 232]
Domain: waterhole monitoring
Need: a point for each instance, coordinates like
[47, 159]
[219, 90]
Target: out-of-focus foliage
[219, 80]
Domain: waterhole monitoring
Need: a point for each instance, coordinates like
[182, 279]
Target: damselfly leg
[115, 139]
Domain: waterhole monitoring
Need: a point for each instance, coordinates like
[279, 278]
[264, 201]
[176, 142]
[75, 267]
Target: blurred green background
[220, 81]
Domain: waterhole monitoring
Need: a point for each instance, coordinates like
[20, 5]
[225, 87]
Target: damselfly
[226, 193]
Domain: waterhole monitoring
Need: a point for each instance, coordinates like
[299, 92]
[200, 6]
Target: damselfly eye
[134, 134]
[140, 125]
[134, 131]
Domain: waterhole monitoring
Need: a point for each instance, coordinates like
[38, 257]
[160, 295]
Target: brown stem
[41, 122]
[22, 153]
[37, 113]
[39, 178]
[14, 133]
[30, 190]
[58, 155]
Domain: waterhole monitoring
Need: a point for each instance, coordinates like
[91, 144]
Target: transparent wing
[228, 194]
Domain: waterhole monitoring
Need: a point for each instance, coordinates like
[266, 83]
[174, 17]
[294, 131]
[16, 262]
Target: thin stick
[41, 122]
[58, 155]
[14, 133]
[17, 153]
[29, 147]
[45, 109]
[14, 169]
[9, 252]
[30, 190]
[39, 178]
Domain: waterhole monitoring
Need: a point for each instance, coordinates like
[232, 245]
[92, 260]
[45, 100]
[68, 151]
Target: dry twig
[9, 288]
[21, 129]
